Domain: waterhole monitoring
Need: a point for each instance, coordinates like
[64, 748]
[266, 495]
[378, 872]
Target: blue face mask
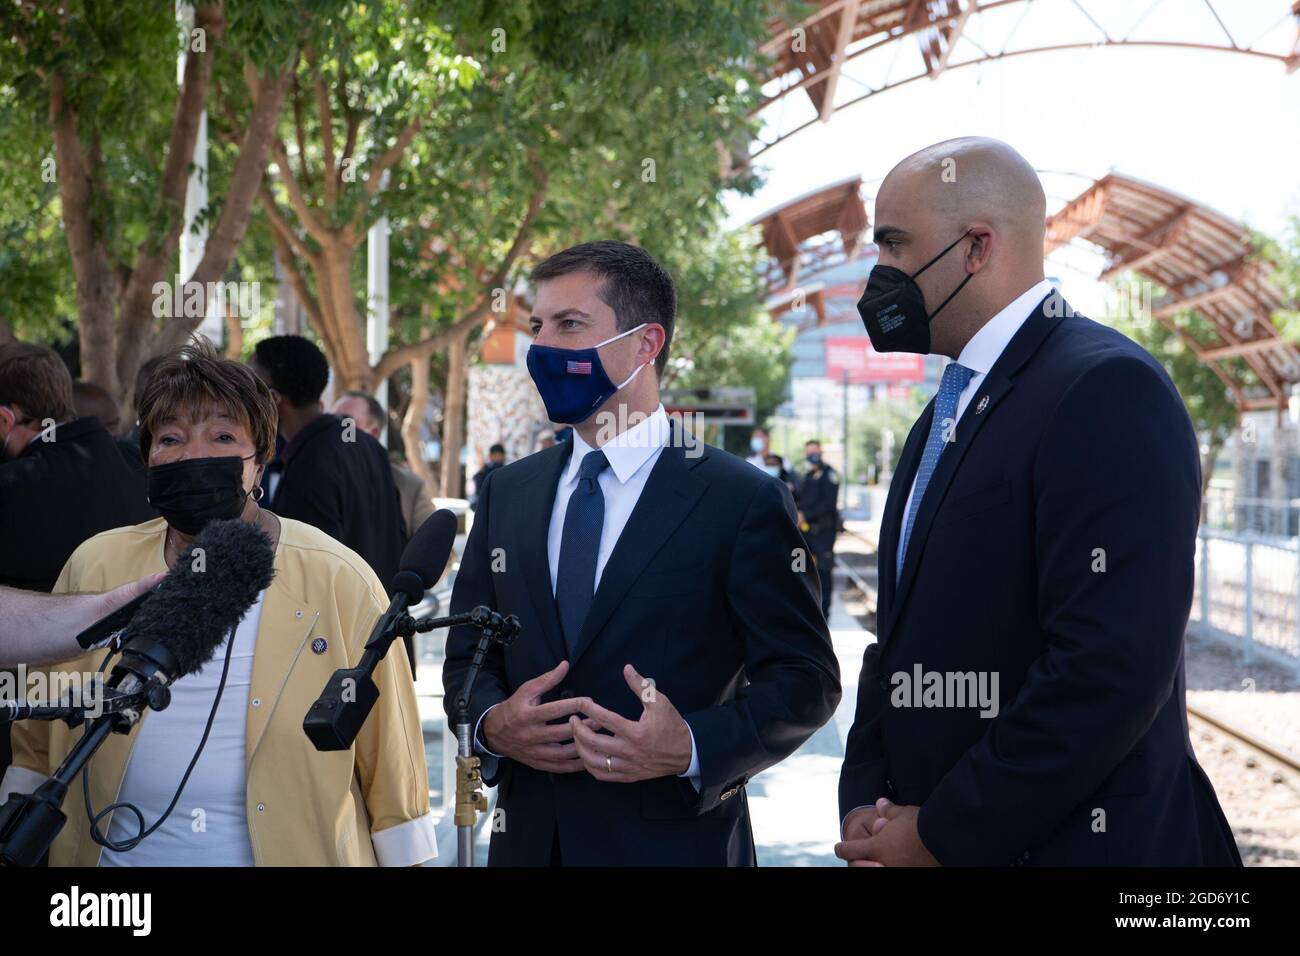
[572, 382]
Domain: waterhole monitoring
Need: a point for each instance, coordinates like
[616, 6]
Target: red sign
[898, 393]
[864, 364]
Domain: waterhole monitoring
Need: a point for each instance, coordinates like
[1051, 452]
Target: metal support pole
[844, 485]
[377, 299]
[1205, 582]
[1248, 632]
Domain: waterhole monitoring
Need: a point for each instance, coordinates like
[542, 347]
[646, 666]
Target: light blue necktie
[955, 379]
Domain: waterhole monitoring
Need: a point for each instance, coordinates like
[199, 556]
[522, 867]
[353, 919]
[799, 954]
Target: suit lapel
[532, 513]
[984, 402]
[892, 521]
[669, 494]
[994, 387]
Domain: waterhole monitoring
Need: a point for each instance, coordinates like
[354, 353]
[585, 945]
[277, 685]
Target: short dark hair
[296, 367]
[195, 377]
[636, 287]
[813, 441]
[497, 448]
[375, 410]
[34, 378]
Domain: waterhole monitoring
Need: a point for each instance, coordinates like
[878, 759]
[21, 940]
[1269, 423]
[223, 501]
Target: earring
[258, 492]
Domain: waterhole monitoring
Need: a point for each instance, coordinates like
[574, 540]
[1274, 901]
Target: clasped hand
[883, 835]
[593, 739]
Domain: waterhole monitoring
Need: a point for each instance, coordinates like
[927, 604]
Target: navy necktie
[575, 579]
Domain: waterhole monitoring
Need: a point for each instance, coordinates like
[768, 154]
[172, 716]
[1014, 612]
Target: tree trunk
[96, 288]
[453, 421]
[234, 332]
[411, 422]
[332, 312]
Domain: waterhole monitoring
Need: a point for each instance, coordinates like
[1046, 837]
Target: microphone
[335, 719]
[202, 599]
[425, 556]
[177, 630]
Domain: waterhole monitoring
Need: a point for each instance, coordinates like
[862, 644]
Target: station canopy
[1203, 261]
[844, 51]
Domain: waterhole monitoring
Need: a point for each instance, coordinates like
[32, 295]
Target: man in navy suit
[673, 643]
[1024, 701]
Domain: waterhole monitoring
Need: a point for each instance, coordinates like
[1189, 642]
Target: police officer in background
[819, 516]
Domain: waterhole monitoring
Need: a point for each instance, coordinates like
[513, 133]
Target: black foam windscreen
[427, 552]
[208, 591]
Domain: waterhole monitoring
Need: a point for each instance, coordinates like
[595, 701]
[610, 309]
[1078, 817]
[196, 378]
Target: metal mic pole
[470, 801]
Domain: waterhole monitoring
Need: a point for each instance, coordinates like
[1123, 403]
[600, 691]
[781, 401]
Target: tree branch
[157, 250]
[395, 358]
[281, 226]
[245, 180]
[308, 219]
[329, 173]
[300, 133]
[390, 156]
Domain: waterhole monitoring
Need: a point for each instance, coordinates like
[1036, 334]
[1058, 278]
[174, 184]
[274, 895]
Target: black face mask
[191, 492]
[893, 307]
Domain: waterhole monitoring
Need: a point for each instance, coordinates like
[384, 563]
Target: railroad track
[1250, 740]
[1289, 760]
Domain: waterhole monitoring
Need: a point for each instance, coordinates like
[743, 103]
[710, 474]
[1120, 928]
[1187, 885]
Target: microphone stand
[29, 822]
[493, 628]
[335, 718]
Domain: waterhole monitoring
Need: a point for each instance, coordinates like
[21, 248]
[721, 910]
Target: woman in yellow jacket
[259, 794]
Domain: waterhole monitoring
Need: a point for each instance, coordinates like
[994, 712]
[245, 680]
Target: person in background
[545, 440]
[94, 401]
[760, 446]
[774, 465]
[364, 409]
[91, 400]
[266, 796]
[819, 515]
[62, 478]
[496, 459]
[335, 478]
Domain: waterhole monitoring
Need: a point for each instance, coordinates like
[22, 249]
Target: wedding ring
[609, 763]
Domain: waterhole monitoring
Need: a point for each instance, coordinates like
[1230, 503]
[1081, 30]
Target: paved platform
[795, 805]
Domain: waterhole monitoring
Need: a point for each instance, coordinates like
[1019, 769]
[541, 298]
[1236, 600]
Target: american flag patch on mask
[578, 368]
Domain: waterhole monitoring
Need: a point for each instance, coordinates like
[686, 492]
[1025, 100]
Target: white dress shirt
[981, 352]
[209, 826]
[632, 455]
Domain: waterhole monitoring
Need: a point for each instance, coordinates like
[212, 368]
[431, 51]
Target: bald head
[974, 189]
[973, 179]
